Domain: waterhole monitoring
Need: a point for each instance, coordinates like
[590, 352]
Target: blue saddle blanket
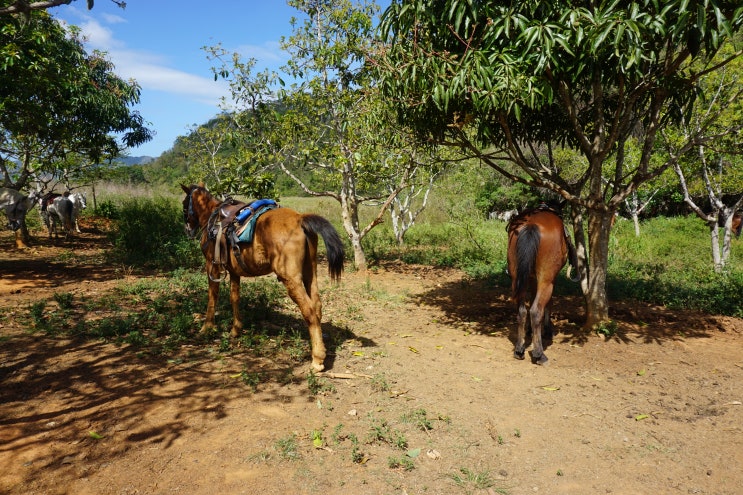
[247, 217]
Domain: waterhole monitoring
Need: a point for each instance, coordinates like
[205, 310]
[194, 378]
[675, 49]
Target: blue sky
[159, 44]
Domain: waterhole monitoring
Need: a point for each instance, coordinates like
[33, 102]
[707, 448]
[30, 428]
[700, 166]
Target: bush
[150, 233]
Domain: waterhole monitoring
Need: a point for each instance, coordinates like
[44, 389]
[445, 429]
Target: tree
[329, 131]
[515, 82]
[337, 123]
[62, 110]
[24, 7]
[716, 164]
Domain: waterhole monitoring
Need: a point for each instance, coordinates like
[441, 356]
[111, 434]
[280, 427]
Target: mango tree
[512, 82]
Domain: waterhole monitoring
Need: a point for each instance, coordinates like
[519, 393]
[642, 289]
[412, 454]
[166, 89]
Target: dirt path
[424, 398]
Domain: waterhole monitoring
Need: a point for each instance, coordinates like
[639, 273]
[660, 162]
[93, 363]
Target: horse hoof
[318, 367]
[518, 354]
[541, 360]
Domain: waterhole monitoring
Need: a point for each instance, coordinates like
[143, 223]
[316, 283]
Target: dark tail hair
[526, 255]
[65, 209]
[333, 243]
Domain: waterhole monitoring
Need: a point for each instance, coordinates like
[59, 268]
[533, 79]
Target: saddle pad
[245, 232]
[252, 208]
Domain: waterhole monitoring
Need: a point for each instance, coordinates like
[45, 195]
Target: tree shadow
[484, 307]
[95, 400]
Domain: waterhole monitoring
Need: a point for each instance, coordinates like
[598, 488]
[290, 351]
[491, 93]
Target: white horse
[79, 203]
[16, 205]
[60, 210]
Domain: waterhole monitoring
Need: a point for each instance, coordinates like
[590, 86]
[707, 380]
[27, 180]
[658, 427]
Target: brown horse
[737, 224]
[284, 242]
[538, 248]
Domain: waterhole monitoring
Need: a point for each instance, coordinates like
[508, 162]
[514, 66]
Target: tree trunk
[636, 222]
[597, 301]
[714, 235]
[359, 258]
[350, 216]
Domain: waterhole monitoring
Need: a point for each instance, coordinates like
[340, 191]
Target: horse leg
[309, 276]
[309, 309]
[548, 329]
[237, 324]
[212, 302]
[537, 315]
[518, 351]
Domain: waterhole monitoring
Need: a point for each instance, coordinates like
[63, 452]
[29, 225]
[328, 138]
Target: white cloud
[269, 54]
[150, 70]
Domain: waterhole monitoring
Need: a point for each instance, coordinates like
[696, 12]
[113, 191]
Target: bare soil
[423, 396]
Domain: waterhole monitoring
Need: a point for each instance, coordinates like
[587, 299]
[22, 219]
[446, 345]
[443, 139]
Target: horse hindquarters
[522, 254]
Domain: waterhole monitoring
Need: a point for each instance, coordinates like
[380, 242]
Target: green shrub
[150, 233]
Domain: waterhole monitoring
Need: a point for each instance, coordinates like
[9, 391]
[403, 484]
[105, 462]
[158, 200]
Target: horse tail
[333, 243]
[527, 246]
[65, 210]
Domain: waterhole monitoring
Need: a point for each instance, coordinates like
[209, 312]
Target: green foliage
[150, 233]
[71, 107]
[107, 209]
[473, 480]
[419, 418]
[670, 265]
[518, 84]
[381, 431]
[288, 448]
[317, 385]
[404, 463]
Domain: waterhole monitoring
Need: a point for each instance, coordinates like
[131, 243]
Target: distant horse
[79, 203]
[284, 242]
[60, 209]
[16, 205]
[538, 248]
[737, 224]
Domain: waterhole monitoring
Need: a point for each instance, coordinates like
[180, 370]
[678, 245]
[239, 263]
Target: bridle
[189, 215]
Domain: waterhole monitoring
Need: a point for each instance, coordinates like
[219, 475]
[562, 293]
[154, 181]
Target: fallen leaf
[640, 417]
[358, 353]
[641, 373]
[236, 375]
[413, 453]
[95, 435]
[413, 349]
[551, 389]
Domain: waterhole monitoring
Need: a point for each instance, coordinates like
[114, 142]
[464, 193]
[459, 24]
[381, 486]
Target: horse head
[196, 196]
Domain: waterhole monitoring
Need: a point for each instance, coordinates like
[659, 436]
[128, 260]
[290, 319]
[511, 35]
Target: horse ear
[186, 189]
[201, 184]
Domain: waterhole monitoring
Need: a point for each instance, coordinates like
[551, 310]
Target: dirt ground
[424, 397]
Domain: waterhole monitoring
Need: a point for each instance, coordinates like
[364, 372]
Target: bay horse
[284, 242]
[538, 248]
[737, 224]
